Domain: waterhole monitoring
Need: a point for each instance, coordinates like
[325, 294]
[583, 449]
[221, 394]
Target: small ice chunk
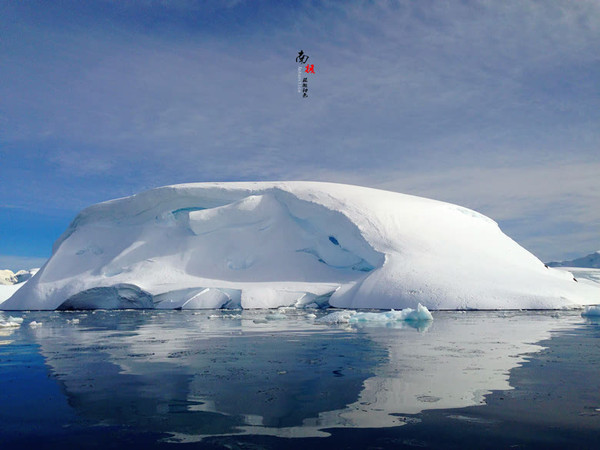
[275, 316]
[337, 317]
[35, 324]
[232, 316]
[591, 311]
[225, 316]
[406, 315]
[11, 322]
[73, 321]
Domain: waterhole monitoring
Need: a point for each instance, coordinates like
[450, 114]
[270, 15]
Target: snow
[11, 282]
[24, 275]
[302, 244]
[7, 277]
[6, 291]
[591, 311]
[583, 273]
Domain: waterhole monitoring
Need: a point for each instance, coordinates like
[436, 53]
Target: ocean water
[282, 379]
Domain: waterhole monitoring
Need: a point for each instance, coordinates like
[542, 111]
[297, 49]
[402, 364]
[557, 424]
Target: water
[264, 379]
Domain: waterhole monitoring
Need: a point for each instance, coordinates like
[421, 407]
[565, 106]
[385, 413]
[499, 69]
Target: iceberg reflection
[208, 373]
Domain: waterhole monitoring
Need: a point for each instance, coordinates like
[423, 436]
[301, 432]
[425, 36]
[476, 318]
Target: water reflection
[208, 373]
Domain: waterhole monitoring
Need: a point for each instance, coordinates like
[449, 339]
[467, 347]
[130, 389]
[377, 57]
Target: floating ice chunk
[406, 315]
[225, 316]
[591, 311]
[275, 316]
[35, 324]
[73, 321]
[11, 322]
[337, 317]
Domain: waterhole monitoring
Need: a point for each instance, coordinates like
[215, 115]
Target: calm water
[259, 379]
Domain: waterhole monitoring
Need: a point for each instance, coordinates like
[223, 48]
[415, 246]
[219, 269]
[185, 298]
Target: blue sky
[491, 105]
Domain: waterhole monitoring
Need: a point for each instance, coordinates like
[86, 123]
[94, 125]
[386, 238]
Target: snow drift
[271, 244]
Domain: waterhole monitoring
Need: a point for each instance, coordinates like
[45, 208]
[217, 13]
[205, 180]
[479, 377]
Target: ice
[7, 277]
[34, 324]
[207, 299]
[10, 322]
[405, 315]
[301, 244]
[121, 296]
[224, 316]
[7, 291]
[24, 275]
[343, 316]
[275, 316]
[591, 311]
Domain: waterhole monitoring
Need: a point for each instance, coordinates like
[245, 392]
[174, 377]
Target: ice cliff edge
[270, 244]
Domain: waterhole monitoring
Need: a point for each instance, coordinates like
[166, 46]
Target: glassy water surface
[165, 378]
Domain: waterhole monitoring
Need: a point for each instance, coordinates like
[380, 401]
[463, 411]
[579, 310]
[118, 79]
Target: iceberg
[7, 277]
[303, 244]
[591, 311]
[11, 282]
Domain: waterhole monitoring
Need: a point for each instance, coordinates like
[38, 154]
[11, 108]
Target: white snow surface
[24, 275]
[272, 244]
[7, 277]
[6, 291]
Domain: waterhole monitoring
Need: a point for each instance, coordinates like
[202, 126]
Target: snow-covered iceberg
[271, 244]
[7, 277]
[11, 282]
[591, 311]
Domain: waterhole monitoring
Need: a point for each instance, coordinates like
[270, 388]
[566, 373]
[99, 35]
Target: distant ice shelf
[301, 244]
